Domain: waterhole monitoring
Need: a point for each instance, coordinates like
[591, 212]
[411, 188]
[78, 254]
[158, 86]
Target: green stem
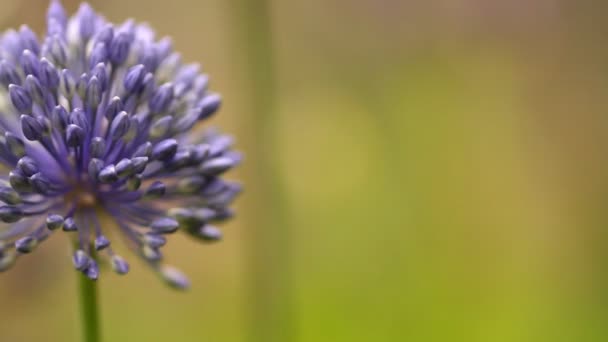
[268, 254]
[88, 307]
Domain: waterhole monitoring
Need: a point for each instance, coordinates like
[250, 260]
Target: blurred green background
[415, 171]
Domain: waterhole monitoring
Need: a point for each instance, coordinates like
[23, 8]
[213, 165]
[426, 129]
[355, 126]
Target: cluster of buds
[96, 124]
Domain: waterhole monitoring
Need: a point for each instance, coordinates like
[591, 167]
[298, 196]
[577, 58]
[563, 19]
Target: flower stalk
[269, 251]
[89, 309]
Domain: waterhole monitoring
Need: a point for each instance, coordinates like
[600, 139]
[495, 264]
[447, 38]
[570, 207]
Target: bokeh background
[415, 171]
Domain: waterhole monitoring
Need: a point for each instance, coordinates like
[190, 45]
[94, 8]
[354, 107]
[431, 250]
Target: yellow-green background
[415, 171]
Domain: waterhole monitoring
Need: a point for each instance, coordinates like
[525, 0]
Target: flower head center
[85, 199]
[81, 197]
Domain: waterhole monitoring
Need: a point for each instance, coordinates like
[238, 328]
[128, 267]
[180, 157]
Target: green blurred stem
[269, 250]
[88, 306]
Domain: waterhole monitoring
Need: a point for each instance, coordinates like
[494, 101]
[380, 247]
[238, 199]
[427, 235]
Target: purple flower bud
[45, 122]
[160, 101]
[15, 145]
[20, 98]
[105, 35]
[28, 37]
[101, 242]
[108, 174]
[8, 74]
[148, 87]
[114, 107]
[190, 185]
[26, 244]
[79, 118]
[214, 187]
[119, 49]
[33, 87]
[98, 147]
[95, 166]
[80, 260]
[144, 150]
[29, 63]
[27, 166]
[160, 128]
[49, 76]
[98, 55]
[86, 21]
[40, 183]
[205, 214]
[55, 50]
[201, 82]
[209, 105]
[11, 43]
[93, 94]
[165, 149]
[69, 225]
[185, 78]
[182, 215]
[81, 85]
[134, 78]
[120, 126]
[154, 240]
[174, 278]
[92, 272]
[119, 265]
[186, 122]
[8, 195]
[124, 167]
[149, 58]
[216, 166]
[10, 214]
[210, 233]
[68, 83]
[32, 129]
[19, 181]
[74, 135]
[100, 71]
[151, 254]
[156, 189]
[200, 152]
[59, 118]
[220, 145]
[164, 225]
[7, 260]
[164, 47]
[56, 12]
[139, 164]
[54, 222]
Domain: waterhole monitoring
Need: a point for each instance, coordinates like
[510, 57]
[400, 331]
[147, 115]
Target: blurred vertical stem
[88, 307]
[268, 258]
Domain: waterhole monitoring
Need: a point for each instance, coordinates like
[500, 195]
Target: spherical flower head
[97, 138]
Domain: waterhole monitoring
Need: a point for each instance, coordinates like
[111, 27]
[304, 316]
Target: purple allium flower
[97, 139]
